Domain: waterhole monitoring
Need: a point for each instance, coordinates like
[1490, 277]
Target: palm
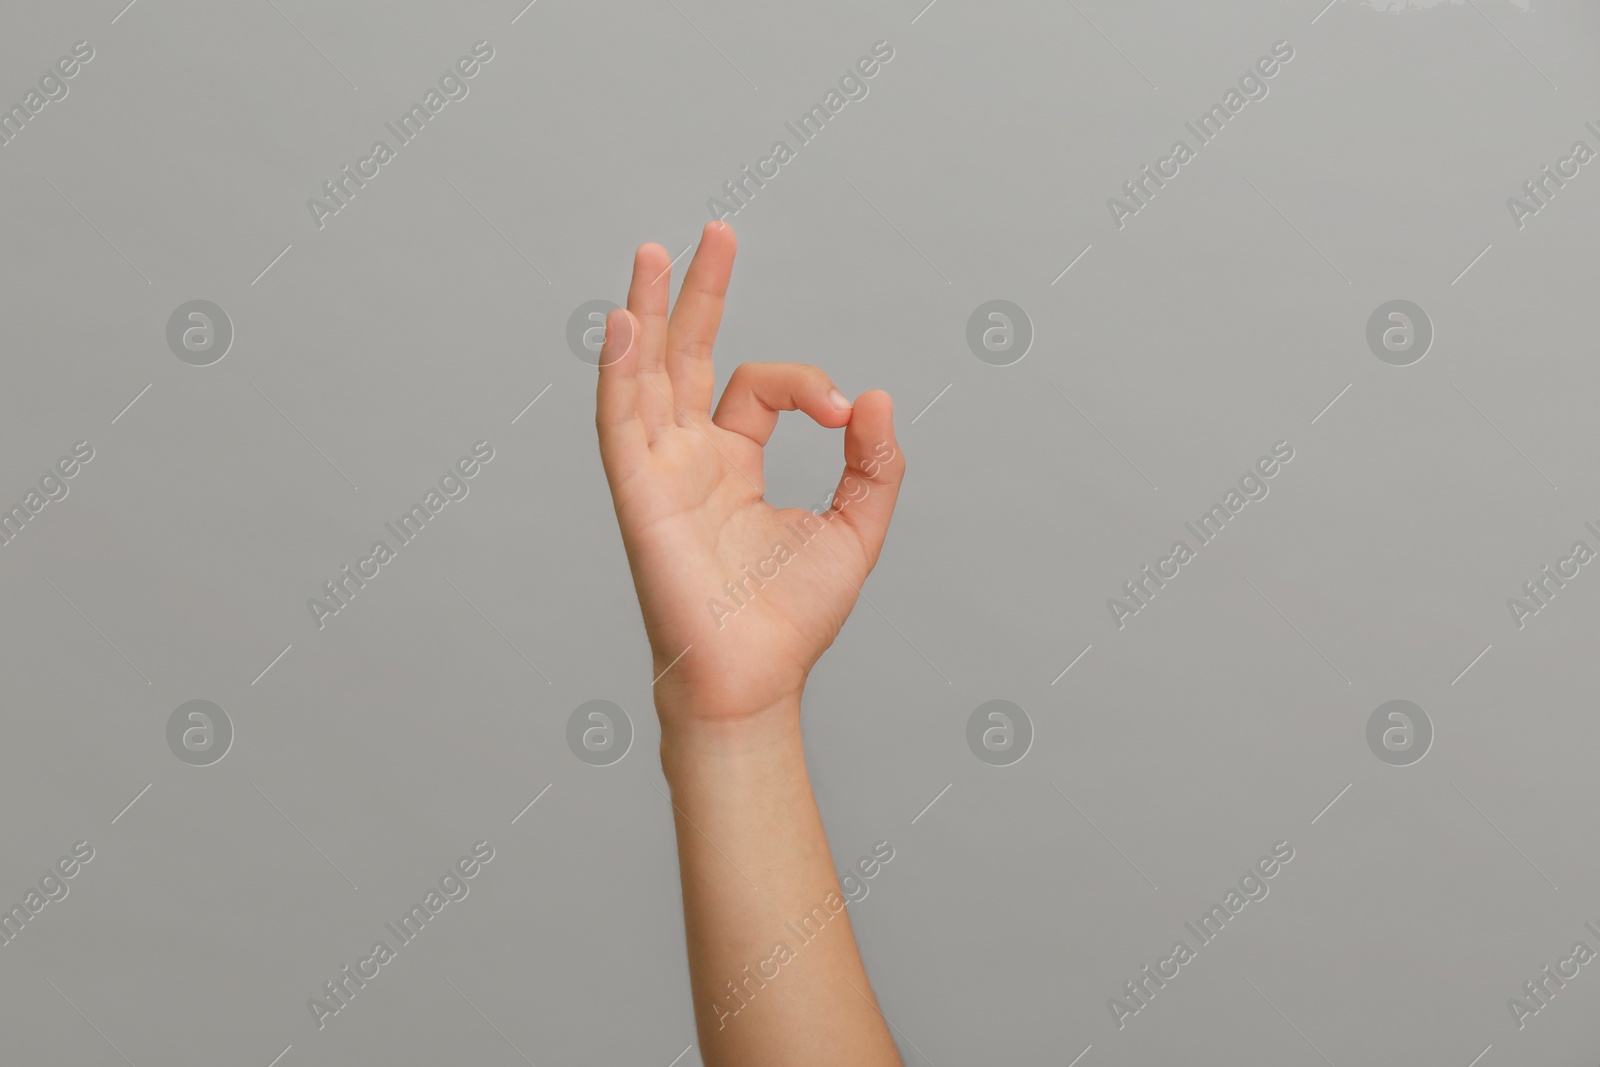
[709, 580]
[739, 597]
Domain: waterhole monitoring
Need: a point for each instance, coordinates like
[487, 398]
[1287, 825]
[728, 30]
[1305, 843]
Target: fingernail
[838, 399]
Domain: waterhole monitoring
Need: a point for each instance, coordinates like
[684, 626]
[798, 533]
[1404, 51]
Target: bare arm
[739, 601]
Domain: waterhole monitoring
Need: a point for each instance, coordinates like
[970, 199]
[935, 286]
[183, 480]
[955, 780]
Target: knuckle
[812, 376]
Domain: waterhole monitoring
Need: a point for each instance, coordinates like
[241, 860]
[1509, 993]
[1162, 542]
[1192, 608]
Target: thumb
[873, 470]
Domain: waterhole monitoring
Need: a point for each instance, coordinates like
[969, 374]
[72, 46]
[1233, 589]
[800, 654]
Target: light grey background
[426, 716]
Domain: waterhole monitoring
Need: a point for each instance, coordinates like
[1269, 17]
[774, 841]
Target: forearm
[776, 976]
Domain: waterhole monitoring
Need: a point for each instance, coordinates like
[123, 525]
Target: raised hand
[739, 598]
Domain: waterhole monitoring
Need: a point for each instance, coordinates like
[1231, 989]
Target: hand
[755, 594]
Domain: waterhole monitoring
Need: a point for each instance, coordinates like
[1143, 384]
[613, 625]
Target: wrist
[766, 737]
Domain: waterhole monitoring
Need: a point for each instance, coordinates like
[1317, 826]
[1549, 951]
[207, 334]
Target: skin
[688, 489]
